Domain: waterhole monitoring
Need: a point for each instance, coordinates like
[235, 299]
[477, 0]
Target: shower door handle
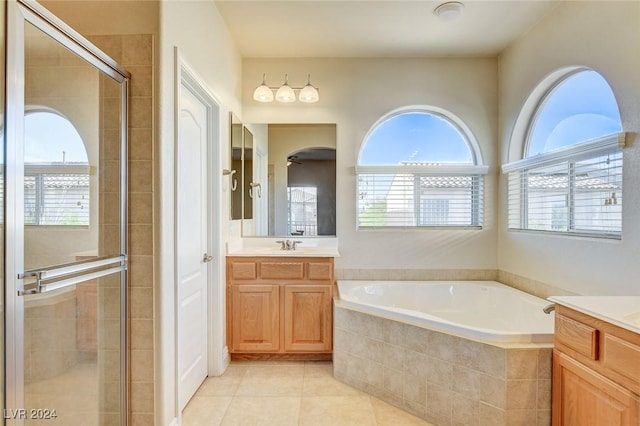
[207, 258]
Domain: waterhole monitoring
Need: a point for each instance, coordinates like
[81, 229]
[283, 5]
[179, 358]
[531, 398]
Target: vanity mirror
[290, 175]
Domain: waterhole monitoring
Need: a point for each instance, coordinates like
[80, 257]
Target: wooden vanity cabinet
[280, 307]
[596, 372]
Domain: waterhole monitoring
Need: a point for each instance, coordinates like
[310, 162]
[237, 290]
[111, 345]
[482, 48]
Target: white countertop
[307, 247]
[623, 311]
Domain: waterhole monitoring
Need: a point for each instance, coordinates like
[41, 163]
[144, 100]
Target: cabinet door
[582, 397]
[307, 318]
[255, 318]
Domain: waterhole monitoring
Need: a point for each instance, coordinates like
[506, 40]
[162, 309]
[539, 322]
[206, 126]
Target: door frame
[217, 355]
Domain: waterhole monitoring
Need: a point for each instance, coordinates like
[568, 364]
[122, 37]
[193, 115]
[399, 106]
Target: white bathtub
[480, 310]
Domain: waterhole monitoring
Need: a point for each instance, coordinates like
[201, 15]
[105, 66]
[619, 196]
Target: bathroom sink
[275, 251]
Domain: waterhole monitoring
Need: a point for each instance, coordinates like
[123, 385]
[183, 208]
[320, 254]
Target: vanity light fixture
[285, 93]
[448, 11]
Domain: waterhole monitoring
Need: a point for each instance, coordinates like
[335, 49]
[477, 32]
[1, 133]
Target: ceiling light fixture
[448, 11]
[286, 93]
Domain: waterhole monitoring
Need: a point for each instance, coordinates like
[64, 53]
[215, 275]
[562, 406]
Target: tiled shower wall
[444, 379]
[135, 54]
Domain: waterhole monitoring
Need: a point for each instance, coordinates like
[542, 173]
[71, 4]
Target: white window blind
[429, 196]
[576, 190]
[56, 195]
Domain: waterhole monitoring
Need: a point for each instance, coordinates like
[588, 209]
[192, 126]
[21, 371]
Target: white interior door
[191, 250]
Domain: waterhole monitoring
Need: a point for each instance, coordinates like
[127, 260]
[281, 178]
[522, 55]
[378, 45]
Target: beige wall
[354, 94]
[606, 37]
[200, 34]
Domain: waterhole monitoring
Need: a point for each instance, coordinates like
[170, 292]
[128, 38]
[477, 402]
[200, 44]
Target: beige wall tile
[142, 419]
[440, 373]
[141, 208]
[464, 410]
[544, 394]
[492, 360]
[141, 239]
[493, 391]
[140, 176]
[137, 50]
[491, 416]
[439, 405]
[140, 144]
[140, 271]
[141, 81]
[142, 397]
[141, 334]
[466, 381]
[415, 389]
[522, 363]
[109, 44]
[545, 363]
[393, 384]
[521, 394]
[141, 112]
[416, 338]
[141, 365]
[544, 418]
[140, 306]
[521, 417]
[394, 332]
[393, 356]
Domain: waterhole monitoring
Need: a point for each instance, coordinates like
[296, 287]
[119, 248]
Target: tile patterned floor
[287, 393]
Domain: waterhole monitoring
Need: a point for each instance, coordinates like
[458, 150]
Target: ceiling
[375, 28]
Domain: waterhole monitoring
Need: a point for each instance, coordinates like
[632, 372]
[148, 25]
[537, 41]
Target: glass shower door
[68, 193]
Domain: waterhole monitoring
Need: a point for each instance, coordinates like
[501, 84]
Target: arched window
[570, 177]
[56, 171]
[420, 167]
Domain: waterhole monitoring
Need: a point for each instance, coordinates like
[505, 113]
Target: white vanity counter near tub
[623, 311]
[304, 247]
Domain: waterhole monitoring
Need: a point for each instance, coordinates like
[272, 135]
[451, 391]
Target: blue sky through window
[415, 136]
[581, 108]
[47, 135]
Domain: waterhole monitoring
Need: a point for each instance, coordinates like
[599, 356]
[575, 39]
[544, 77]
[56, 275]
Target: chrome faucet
[288, 244]
[549, 308]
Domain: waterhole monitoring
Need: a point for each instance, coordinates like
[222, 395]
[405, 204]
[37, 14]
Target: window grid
[590, 189]
[56, 199]
[419, 200]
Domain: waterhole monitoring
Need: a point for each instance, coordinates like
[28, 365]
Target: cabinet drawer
[244, 270]
[282, 270]
[577, 336]
[320, 271]
[621, 356]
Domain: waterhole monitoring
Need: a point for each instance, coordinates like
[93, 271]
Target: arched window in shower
[56, 180]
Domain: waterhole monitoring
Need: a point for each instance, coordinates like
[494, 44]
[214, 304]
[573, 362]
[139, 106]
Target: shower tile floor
[73, 395]
[287, 393]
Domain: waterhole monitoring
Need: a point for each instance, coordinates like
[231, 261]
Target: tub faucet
[549, 308]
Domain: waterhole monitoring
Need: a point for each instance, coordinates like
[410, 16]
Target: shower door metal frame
[19, 12]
